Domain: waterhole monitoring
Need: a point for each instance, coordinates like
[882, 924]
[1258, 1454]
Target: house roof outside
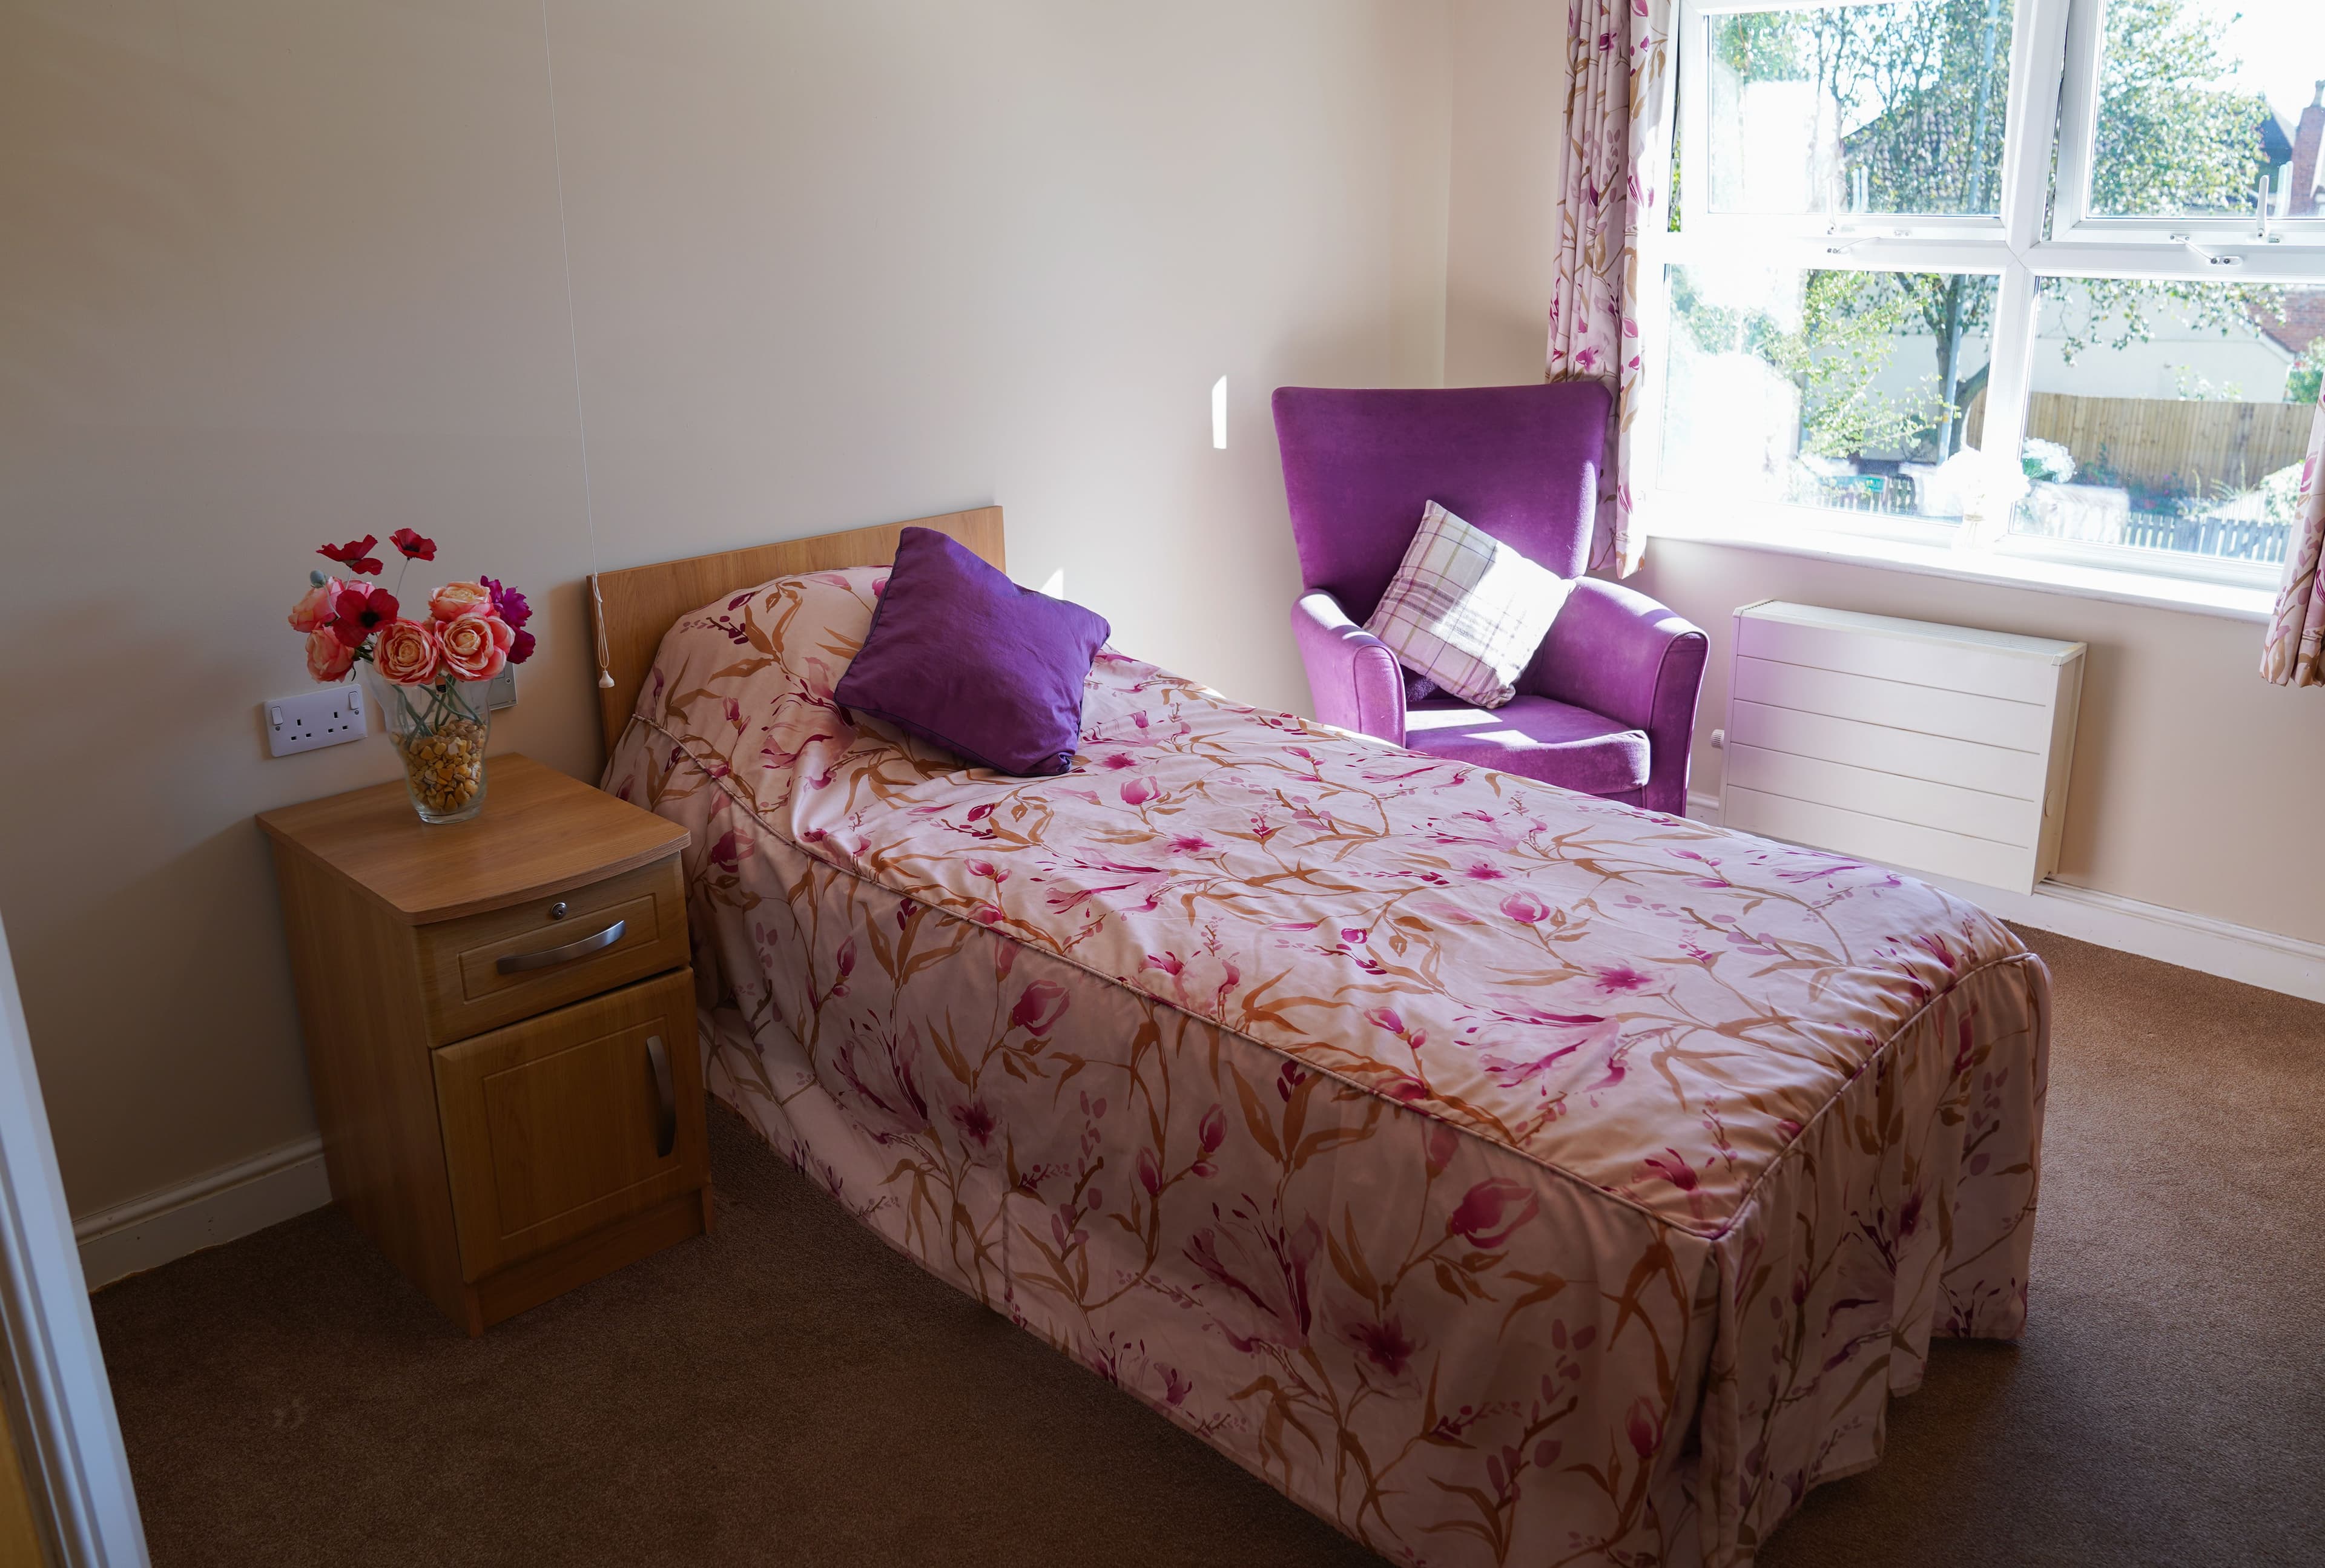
[2276, 140]
[2307, 172]
[2303, 323]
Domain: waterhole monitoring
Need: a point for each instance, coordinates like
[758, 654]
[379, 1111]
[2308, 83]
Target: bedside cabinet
[499, 1022]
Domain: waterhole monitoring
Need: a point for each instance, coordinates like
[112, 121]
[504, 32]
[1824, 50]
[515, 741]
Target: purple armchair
[1608, 705]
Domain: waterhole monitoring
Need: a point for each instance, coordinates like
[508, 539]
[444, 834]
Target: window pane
[2203, 101]
[1893, 107]
[2171, 416]
[1836, 389]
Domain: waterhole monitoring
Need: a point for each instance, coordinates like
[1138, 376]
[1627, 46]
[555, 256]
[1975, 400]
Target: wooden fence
[2168, 443]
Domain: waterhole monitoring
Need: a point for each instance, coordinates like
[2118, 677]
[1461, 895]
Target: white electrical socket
[500, 692]
[326, 716]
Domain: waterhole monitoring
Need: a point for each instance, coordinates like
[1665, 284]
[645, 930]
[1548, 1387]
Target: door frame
[53, 1390]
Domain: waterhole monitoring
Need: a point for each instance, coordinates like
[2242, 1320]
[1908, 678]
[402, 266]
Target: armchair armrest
[1355, 680]
[1617, 652]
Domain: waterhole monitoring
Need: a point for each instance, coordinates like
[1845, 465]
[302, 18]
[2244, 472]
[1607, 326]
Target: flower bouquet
[428, 675]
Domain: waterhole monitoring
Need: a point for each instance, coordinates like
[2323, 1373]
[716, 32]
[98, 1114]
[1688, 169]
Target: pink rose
[314, 607]
[406, 652]
[475, 647]
[455, 600]
[328, 658]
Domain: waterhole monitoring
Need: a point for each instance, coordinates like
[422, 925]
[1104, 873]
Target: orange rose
[455, 600]
[328, 658]
[475, 647]
[406, 652]
[314, 606]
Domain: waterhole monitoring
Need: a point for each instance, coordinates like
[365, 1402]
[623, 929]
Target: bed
[1506, 1175]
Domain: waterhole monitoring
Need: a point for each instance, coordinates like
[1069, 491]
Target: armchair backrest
[1520, 462]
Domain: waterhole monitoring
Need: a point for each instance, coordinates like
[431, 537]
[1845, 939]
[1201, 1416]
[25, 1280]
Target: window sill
[2229, 601]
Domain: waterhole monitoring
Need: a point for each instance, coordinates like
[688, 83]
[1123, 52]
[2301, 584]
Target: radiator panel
[1928, 709]
[1943, 749]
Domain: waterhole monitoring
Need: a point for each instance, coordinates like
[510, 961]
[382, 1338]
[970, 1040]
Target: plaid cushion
[1467, 610]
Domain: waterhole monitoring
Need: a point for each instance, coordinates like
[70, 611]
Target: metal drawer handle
[666, 1132]
[546, 957]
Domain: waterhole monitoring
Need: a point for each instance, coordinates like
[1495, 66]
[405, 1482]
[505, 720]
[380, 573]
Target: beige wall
[2196, 785]
[279, 270]
[1507, 96]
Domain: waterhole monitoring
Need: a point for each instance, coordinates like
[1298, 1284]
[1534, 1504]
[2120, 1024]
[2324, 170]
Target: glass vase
[440, 731]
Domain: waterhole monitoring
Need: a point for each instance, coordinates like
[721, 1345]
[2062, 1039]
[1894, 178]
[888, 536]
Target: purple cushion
[960, 655]
[1418, 687]
[1555, 742]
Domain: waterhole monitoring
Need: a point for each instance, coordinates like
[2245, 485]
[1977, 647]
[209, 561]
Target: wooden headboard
[631, 610]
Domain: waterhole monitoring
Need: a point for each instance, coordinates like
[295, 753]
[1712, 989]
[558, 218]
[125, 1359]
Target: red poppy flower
[413, 546]
[359, 610]
[354, 555]
[520, 648]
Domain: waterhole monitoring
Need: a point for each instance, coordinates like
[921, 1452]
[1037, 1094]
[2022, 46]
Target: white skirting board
[2191, 941]
[226, 1204]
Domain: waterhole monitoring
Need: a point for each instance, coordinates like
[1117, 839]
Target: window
[2040, 277]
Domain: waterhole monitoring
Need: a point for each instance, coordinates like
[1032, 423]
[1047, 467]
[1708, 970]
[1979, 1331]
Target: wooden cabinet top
[540, 833]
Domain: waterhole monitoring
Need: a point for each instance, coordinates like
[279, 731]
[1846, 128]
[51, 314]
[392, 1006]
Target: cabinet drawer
[557, 1126]
[488, 970]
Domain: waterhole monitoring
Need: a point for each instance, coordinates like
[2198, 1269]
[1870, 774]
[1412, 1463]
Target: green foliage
[2306, 383]
[2169, 143]
[1917, 93]
[2120, 311]
[1850, 324]
[1847, 331]
[2280, 496]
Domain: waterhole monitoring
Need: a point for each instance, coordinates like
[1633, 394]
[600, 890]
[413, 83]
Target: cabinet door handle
[666, 1131]
[516, 962]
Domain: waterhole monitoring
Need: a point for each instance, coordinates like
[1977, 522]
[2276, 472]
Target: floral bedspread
[1506, 1175]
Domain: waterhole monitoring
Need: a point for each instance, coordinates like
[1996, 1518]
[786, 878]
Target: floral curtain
[1618, 125]
[2296, 654]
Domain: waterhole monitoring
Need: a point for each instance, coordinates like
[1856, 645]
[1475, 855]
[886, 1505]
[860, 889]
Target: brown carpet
[789, 1391]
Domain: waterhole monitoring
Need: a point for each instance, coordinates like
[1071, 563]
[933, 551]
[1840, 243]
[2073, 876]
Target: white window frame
[2054, 75]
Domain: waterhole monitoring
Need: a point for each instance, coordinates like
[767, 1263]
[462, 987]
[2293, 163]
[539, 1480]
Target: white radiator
[1934, 749]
